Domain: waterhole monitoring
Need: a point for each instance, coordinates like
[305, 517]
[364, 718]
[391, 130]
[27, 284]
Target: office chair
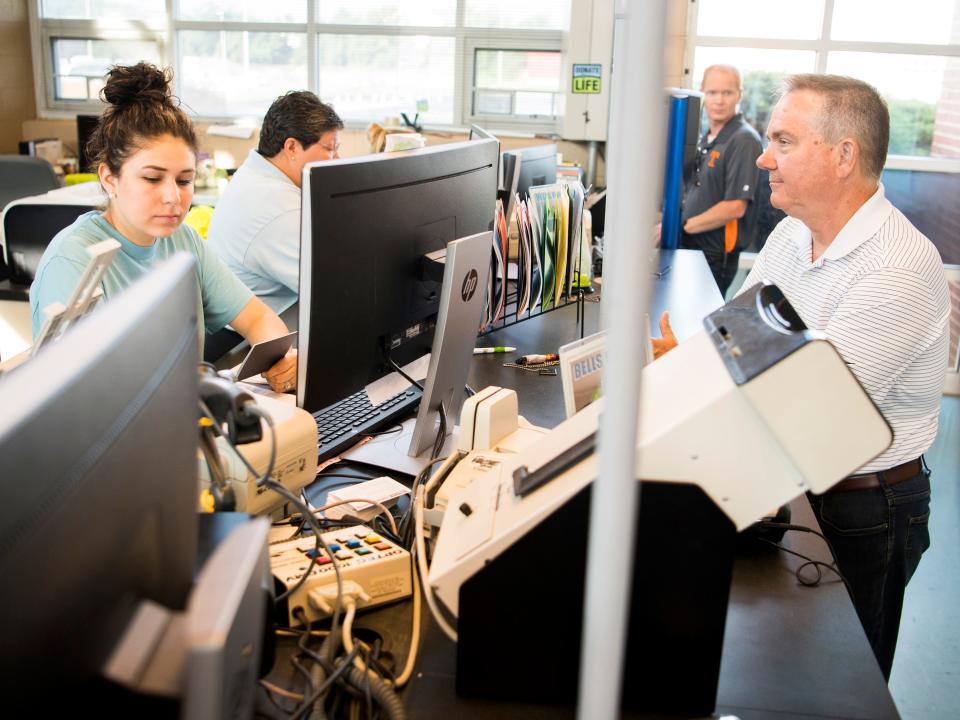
[21, 175]
[28, 229]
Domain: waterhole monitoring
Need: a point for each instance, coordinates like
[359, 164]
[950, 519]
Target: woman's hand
[256, 322]
[283, 375]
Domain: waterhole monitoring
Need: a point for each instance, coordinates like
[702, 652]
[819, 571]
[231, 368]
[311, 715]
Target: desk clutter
[490, 536]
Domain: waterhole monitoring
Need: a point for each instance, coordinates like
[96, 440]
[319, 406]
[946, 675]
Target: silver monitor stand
[461, 303]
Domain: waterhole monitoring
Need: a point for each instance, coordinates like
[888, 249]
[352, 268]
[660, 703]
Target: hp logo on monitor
[469, 286]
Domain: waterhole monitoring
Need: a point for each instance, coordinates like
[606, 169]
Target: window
[227, 73]
[152, 10]
[365, 76]
[79, 64]
[79, 39]
[909, 51]
[451, 62]
[524, 83]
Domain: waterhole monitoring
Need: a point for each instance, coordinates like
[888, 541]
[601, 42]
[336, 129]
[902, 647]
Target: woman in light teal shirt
[145, 150]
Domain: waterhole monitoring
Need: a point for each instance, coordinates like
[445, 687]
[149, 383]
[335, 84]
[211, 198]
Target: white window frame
[42, 35]
[164, 34]
[509, 40]
[821, 47]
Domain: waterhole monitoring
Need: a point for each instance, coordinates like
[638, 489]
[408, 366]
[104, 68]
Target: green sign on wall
[586, 78]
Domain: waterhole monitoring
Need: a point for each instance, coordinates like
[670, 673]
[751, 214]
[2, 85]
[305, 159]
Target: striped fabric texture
[880, 294]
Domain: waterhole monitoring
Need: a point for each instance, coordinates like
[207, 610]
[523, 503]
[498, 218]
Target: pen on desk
[497, 349]
[537, 359]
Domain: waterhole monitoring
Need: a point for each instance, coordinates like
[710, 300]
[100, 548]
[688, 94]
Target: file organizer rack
[510, 305]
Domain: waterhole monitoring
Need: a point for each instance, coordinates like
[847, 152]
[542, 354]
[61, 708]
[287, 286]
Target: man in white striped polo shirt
[855, 268]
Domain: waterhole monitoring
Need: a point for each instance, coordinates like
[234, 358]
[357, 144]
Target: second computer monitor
[86, 124]
[538, 166]
[367, 292]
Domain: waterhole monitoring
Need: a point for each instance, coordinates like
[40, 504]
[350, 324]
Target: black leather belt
[894, 475]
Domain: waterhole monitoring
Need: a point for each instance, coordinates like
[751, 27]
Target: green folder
[549, 254]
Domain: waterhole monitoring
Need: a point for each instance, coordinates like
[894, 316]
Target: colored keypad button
[313, 552]
[324, 560]
[333, 547]
[364, 551]
[373, 539]
[352, 544]
[382, 546]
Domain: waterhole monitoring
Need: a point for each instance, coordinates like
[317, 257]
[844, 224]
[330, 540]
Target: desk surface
[789, 651]
[686, 290]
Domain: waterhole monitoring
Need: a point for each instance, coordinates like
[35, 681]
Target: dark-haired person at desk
[255, 227]
[853, 267]
[145, 150]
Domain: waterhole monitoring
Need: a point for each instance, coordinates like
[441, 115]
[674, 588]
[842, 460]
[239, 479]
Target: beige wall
[675, 43]
[16, 73]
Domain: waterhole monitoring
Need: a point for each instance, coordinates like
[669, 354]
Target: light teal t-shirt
[221, 296]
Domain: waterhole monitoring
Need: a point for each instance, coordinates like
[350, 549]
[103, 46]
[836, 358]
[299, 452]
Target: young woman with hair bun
[145, 151]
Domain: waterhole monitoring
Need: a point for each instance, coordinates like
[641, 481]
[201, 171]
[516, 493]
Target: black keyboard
[340, 425]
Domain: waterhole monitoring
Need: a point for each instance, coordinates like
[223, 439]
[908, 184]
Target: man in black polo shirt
[719, 208]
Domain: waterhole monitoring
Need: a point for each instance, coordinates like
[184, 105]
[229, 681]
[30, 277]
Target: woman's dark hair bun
[135, 84]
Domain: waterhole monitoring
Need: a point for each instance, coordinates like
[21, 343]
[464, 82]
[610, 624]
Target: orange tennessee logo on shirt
[714, 154]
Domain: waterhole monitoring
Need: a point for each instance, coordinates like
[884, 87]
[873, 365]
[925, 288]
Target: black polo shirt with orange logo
[726, 170]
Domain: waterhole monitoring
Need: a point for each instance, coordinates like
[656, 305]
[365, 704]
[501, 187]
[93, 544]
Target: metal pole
[634, 169]
[591, 175]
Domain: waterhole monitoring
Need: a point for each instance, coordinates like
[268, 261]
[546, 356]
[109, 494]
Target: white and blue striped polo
[880, 294]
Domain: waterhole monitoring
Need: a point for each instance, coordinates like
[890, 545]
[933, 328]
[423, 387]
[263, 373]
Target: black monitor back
[98, 446]
[86, 124]
[520, 617]
[538, 166]
[367, 224]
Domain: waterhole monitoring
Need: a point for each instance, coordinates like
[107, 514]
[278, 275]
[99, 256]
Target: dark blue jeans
[878, 536]
[724, 267]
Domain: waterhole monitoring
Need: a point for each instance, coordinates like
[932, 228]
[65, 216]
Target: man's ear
[848, 157]
[290, 147]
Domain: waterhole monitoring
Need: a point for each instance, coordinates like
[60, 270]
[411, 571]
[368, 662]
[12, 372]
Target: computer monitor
[367, 293]
[538, 166]
[98, 450]
[86, 124]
